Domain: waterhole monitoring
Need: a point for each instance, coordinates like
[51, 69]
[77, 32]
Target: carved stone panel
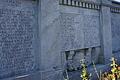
[17, 39]
[80, 30]
[115, 32]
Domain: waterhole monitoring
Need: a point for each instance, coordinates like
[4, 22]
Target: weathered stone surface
[50, 36]
[116, 35]
[74, 58]
[78, 56]
[88, 56]
[51, 46]
[106, 38]
[32, 76]
[17, 20]
[61, 29]
[97, 1]
[91, 30]
[115, 32]
[80, 30]
[95, 53]
[52, 75]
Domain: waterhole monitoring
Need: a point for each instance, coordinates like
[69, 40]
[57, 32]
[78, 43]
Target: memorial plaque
[80, 31]
[115, 32]
[68, 32]
[17, 55]
[91, 30]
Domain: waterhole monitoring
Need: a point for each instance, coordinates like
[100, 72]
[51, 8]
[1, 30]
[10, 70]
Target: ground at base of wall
[75, 75]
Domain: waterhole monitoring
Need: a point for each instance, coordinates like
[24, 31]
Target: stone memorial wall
[80, 30]
[17, 30]
[73, 30]
[40, 43]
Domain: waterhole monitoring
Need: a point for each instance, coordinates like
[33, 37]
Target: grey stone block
[115, 31]
[52, 75]
[33, 76]
[106, 38]
[75, 30]
[17, 30]
[95, 53]
[28, 45]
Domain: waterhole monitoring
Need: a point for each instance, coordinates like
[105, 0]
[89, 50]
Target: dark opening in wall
[73, 57]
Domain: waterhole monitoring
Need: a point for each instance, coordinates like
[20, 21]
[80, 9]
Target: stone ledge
[115, 10]
[52, 75]
[88, 5]
[41, 75]
[34, 76]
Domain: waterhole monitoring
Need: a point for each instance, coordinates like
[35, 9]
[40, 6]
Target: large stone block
[95, 53]
[80, 30]
[88, 56]
[17, 30]
[50, 46]
[79, 55]
[50, 35]
[115, 32]
[52, 75]
[106, 38]
[33, 76]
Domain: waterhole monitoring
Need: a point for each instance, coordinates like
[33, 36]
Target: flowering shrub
[114, 74]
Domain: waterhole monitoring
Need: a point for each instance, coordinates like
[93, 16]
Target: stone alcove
[73, 57]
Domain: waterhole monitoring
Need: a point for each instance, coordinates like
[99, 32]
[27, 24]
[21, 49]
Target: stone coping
[89, 5]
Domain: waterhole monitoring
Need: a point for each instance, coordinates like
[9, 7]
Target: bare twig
[94, 66]
[100, 77]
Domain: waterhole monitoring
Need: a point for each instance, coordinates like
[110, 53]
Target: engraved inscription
[115, 32]
[12, 3]
[16, 42]
[80, 31]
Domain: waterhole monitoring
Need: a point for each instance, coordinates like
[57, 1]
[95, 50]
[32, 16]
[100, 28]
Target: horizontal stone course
[80, 4]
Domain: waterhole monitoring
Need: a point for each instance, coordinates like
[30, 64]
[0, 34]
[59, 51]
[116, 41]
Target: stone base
[44, 75]
[35, 76]
[52, 75]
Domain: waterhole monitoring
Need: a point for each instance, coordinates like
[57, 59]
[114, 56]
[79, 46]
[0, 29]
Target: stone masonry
[40, 39]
